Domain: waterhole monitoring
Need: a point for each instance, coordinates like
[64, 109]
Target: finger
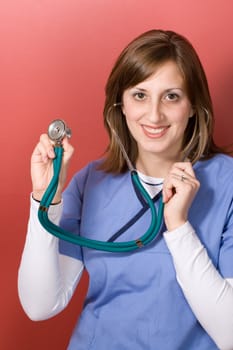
[66, 144]
[168, 189]
[179, 182]
[68, 150]
[183, 176]
[39, 154]
[183, 167]
[183, 171]
[48, 145]
[43, 151]
[167, 194]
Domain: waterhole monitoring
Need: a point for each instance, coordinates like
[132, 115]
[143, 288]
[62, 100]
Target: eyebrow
[138, 88]
[175, 88]
[167, 90]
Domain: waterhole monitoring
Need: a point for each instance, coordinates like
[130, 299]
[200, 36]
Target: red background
[55, 57]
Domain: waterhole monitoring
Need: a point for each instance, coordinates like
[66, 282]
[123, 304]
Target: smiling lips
[154, 132]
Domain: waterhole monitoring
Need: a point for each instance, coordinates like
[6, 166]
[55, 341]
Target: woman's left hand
[179, 189]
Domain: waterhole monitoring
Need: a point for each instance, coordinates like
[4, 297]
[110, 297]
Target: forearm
[209, 295]
[46, 279]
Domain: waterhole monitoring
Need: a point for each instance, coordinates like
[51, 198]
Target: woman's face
[157, 111]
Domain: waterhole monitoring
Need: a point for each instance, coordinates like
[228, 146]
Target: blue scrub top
[134, 300]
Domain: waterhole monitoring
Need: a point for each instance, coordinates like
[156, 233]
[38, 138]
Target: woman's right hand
[42, 166]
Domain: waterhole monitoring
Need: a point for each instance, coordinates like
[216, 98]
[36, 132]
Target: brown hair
[136, 63]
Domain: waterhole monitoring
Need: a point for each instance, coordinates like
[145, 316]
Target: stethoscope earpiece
[117, 104]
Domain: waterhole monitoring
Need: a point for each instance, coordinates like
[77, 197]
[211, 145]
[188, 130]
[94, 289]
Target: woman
[176, 292]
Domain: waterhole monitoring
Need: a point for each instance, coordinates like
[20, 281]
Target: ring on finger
[182, 177]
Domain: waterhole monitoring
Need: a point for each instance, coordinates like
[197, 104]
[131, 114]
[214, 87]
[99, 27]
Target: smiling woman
[157, 111]
[172, 61]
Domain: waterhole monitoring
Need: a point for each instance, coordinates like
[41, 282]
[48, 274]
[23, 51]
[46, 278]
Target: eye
[139, 96]
[172, 97]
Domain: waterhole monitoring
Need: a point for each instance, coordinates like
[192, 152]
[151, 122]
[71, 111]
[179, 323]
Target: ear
[192, 112]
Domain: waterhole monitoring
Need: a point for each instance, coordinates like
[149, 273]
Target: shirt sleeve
[46, 279]
[209, 295]
[226, 250]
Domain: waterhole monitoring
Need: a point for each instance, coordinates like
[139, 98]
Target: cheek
[132, 112]
[130, 109]
[181, 115]
[179, 119]
[132, 126]
[181, 125]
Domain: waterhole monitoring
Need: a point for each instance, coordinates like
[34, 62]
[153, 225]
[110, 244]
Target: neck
[155, 166]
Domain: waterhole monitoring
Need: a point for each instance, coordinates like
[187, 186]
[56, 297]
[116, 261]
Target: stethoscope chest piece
[57, 130]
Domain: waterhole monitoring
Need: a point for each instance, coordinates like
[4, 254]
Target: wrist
[175, 225]
[37, 196]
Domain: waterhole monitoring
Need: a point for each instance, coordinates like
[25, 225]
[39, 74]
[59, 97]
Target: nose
[154, 111]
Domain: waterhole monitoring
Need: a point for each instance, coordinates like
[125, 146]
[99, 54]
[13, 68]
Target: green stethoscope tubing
[149, 235]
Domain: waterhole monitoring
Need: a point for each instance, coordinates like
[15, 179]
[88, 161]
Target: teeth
[153, 130]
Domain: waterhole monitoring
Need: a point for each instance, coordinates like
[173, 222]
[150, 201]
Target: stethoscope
[57, 131]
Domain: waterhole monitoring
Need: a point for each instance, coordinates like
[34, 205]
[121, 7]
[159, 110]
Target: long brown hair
[136, 63]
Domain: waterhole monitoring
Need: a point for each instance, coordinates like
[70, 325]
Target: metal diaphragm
[57, 130]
